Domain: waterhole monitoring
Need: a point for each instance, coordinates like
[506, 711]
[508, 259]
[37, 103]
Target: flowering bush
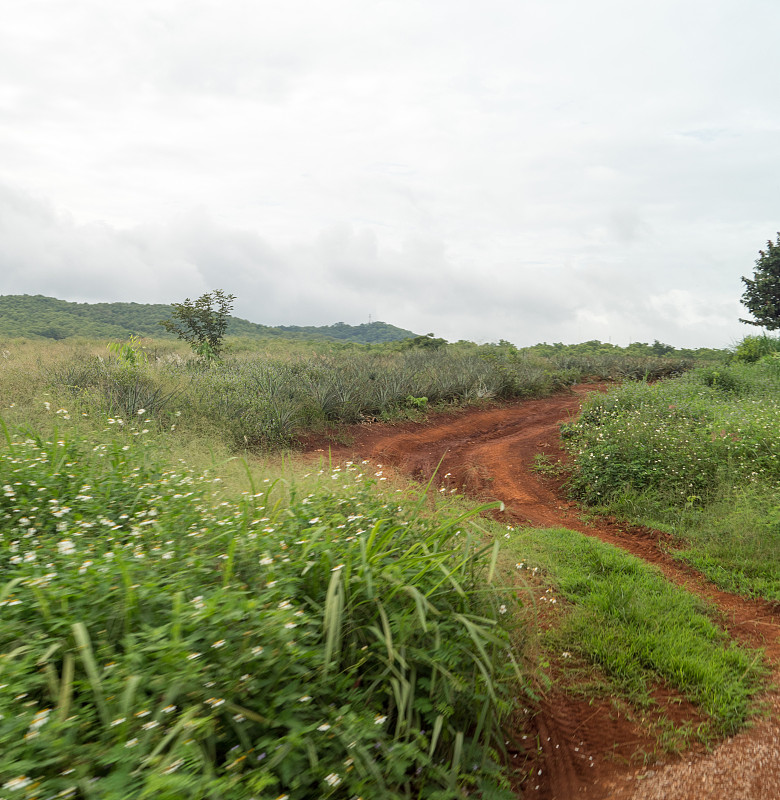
[680, 438]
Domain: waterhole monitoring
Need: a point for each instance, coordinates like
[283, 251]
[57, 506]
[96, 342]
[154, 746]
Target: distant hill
[36, 316]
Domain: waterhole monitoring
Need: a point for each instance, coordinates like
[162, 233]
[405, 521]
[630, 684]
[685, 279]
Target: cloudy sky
[532, 170]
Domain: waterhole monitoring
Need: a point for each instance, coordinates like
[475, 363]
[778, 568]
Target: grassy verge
[157, 641]
[698, 457]
[641, 631]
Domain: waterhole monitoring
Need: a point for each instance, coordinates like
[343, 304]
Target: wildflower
[18, 783]
[380, 719]
[131, 743]
[66, 547]
[193, 656]
[566, 654]
[218, 644]
[118, 721]
[502, 609]
[257, 651]
[332, 779]
[304, 699]
[324, 727]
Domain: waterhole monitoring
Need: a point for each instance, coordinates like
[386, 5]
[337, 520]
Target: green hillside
[36, 316]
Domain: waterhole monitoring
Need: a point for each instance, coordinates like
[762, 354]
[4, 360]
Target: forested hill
[36, 316]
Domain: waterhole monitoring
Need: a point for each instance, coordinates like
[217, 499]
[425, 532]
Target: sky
[527, 170]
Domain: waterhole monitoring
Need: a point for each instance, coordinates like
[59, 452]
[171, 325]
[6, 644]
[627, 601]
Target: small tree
[202, 324]
[762, 292]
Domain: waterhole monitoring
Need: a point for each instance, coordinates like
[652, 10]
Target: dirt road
[588, 749]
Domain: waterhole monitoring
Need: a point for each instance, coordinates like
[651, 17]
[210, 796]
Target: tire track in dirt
[488, 454]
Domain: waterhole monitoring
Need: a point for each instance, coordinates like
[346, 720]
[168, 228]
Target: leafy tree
[429, 341]
[202, 324]
[762, 292]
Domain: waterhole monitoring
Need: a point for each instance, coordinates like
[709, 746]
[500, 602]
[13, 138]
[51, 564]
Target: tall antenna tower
[369, 319]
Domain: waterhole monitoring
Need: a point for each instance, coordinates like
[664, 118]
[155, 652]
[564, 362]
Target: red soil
[566, 746]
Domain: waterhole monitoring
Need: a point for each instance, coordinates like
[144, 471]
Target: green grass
[698, 457]
[160, 641]
[267, 397]
[640, 630]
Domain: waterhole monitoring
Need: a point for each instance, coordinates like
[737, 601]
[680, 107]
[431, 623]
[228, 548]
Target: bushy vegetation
[268, 398]
[699, 456]
[155, 643]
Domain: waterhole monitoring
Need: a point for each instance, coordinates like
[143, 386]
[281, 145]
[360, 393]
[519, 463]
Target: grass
[267, 398]
[188, 611]
[698, 457]
[158, 643]
[641, 631]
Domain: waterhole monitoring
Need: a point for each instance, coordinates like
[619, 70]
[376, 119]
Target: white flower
[21, 782]
[502, 609]
[332, 779]
[324, 727]
[379, 719]
[66, 547]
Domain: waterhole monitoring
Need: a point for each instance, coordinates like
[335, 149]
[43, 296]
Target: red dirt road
[589, 750]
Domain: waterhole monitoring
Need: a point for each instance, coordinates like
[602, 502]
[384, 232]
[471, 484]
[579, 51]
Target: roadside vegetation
[158, 641]
[620, 614]
[698, 457]
[188, 610]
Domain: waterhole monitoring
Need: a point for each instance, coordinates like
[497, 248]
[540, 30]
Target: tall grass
[154, 644]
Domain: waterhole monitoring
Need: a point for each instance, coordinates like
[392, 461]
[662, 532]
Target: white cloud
[557, 170]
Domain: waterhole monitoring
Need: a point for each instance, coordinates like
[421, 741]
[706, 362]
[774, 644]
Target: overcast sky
[530, 170]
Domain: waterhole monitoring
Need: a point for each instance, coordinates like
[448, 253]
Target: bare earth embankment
[587, 749]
